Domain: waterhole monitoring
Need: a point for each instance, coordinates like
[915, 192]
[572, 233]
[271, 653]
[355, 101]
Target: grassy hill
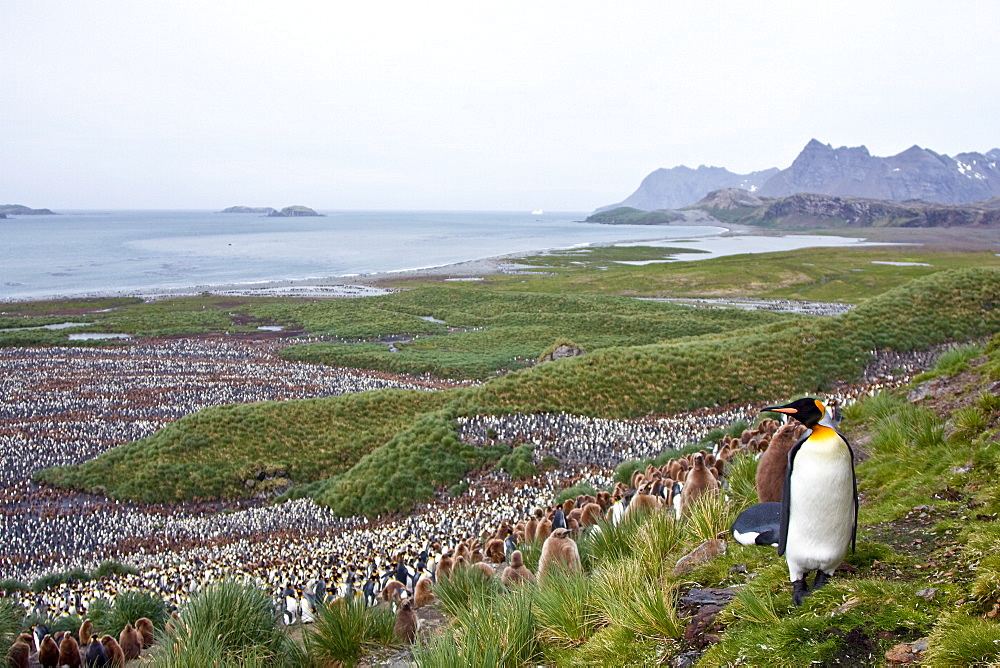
[217, 452]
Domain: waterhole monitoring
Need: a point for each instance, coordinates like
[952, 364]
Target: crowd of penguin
[66, 405]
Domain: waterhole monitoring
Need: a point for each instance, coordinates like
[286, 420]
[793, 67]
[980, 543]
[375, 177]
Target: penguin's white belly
[821, 510]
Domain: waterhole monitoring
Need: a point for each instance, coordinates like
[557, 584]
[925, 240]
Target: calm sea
[104, 252]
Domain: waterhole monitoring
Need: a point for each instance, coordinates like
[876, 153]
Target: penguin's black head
[807, 410]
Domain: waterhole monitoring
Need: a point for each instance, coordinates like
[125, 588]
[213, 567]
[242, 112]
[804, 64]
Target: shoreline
[378, 283]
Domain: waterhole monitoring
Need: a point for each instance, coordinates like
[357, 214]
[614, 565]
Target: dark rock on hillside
[293, 211]
[19, 210]
[916, 173]
[249, 209]
[681, 186]
[815, 210]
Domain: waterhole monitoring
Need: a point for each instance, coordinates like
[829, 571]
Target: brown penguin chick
[116, 657]
[144, 626]
[539, 513]
[568, 505]
[477, 556]
[48, 652]
[392, 591]
[405, 628]
[773, 464]
[485, 569]
[543, 531]
[604, 500]
[720, 468]
[637, 479]
[131, 642]
[559, 552]
[495, 551]
[17, 655]
[86, 631]
[591, 514]
[642, 502]
[444, 568]
[423, 593]
[517, 571]
[745, 436]
[620, 490]
[529, 530]
[462, 551]
[575, 515]
[69, 653]
[701, 480]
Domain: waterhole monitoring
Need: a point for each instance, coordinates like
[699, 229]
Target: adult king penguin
[819, 503]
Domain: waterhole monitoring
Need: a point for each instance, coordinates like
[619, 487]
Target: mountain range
[916, 173]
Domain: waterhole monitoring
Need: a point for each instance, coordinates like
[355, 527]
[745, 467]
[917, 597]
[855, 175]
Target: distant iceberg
[537, 212]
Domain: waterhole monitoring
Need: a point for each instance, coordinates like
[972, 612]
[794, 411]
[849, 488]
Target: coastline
[377, 283]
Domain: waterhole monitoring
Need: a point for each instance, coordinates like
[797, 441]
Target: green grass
[228, 624]
[220, 452]
[344, 629]
[818, 274]
[406, 470]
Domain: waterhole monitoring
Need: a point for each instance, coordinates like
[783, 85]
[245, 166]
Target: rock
[681, 186]
[914, 174]
[249, 209]
[907, 653]
[293, 212]
[562, 351]
[21, 210]
[707, 551]
[927, 594]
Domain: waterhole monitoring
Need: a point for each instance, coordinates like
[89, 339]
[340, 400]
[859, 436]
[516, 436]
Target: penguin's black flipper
[854, 479]
[759, 524]
[785, 500]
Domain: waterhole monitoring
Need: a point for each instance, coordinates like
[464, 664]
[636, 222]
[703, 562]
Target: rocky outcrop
[626, 215]
[561, 350]
[916, 173]
[19, 210]
[293, 212]
[249, 209]
[815, 210]
[680, 186]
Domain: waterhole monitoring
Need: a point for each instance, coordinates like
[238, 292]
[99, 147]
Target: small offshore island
[288, 212]
[20, 210]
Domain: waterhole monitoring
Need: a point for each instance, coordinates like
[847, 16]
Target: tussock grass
[11, 616]
[128, 607]
[464, 588]
[229, 624]
[710, 516]
[492, 631]
[631, 594]
[406, 470]
[963, 640]
[345, 628]
[564, 609]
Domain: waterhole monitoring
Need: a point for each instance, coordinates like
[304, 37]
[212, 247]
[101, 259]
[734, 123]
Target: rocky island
[19, 210]
[249, 209]
[293, 211]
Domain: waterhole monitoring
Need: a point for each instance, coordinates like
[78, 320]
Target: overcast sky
[466, 105]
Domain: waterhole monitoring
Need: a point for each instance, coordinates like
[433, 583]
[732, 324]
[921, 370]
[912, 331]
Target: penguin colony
[67, 405]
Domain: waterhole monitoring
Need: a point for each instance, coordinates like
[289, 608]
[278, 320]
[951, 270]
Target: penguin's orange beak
[780, 409]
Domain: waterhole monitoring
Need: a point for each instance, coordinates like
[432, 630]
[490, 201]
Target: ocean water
[108, 252]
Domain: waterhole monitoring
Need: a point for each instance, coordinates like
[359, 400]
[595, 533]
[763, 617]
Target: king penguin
[819, 503]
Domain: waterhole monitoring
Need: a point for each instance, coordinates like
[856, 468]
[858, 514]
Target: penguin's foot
[799, 591]
[821, 579]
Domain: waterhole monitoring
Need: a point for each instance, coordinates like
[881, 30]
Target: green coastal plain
[926, 564]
